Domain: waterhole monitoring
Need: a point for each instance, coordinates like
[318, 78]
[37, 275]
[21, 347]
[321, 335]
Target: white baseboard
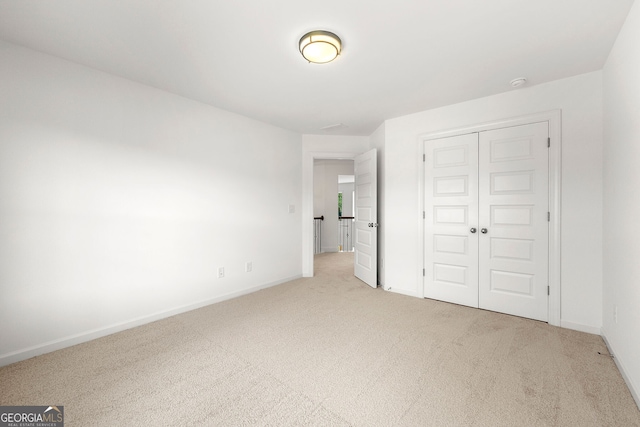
[633, 388]
[329, 249]
[595, 330]
[37, 350]
[403, 292]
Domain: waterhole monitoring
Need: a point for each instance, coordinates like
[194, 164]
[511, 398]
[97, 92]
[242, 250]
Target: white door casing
[511, 239]
[514, 204]
[366, 218]
[451, 219]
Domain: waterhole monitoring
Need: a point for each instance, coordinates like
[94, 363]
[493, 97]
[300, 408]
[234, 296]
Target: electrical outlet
[220, 272]
[248, 267]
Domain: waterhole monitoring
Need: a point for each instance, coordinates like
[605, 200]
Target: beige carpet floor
[330, 351]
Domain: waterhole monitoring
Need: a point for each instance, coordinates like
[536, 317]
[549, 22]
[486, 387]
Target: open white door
[366, 218]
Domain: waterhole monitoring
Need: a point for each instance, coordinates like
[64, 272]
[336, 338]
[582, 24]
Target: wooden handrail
[346, 217]
[321, 218]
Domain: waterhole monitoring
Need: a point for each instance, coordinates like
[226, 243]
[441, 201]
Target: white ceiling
[399, 56]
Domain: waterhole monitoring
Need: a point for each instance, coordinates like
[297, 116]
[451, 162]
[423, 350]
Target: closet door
[451, 219]
[513, 223]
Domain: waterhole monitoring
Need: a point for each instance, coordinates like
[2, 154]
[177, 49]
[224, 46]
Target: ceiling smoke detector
[518, 82]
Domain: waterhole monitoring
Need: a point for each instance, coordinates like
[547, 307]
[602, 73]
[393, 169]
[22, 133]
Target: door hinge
[548, 291]
[423, 272]
[548, 142]
[424, 215]
[424, 157]
[548, 216]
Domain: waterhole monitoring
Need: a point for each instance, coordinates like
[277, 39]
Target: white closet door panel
[451, 211]
[514, 201]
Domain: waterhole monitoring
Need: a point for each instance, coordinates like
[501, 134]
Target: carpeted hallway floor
[330, 351]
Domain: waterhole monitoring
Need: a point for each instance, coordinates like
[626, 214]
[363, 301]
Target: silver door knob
[484, 231]
[473, 230]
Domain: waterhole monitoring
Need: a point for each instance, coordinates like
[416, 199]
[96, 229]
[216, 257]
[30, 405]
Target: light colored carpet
[330, 351]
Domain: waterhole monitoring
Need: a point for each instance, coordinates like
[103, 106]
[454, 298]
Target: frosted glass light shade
[320, 47]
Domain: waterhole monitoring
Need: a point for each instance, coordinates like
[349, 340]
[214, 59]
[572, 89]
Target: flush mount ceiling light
[320, 47]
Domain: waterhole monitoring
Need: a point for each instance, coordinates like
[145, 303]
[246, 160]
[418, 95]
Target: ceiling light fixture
[320, 47]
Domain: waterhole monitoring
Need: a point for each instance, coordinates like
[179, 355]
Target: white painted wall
[119, 201]
[377, 141]
[622, 200]
[321, 147]
[348, 192]
[580, 99]
[325, 190]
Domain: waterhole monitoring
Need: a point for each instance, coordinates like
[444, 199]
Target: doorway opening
[365, 221]
[333, 189]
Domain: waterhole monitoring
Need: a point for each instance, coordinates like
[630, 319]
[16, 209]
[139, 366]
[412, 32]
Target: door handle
[373, 224]
[473, 230]
[484, 231]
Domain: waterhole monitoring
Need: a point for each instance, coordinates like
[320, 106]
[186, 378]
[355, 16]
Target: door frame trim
[554, 119]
